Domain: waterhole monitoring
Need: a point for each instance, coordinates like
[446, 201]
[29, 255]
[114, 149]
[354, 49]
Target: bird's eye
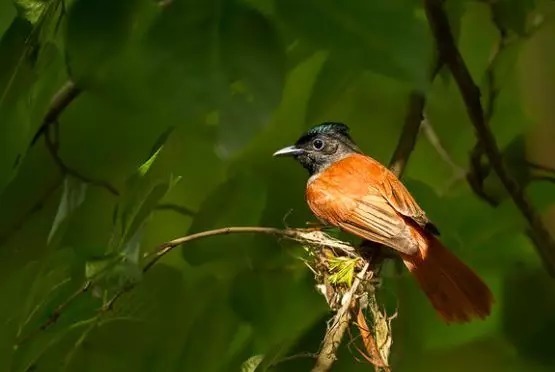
[318, 144]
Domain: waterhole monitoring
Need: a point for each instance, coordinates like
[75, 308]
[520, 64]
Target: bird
[354, 192]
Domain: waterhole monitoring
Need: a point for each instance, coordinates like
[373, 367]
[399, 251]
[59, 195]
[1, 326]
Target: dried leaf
[372, 353]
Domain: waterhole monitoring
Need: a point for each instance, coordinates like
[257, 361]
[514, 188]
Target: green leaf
[132, 249]
[73, 195]
[510, 117]
[112, 272]
[143, 208]
[253, 60]
[115, 270]
[513, 14]
[52, 281]
[228, 60]
[7, 14]
[16, 78]
[272, 301]
[529, 281]
[542, 194]
[387, 37]
[99, 266]
[26, 54]
[144, 168]
[97, 31]
[141, 195]
[32, 10]
[250, 364]
[342, 270]
[333, 80]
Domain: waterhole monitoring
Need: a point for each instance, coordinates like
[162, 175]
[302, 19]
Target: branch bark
[439, 24]
[409, 134]
[339, 325]
[49, 129]
[411, 127]
[60, 101]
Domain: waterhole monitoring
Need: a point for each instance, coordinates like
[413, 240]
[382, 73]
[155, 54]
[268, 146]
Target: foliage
[203, 91]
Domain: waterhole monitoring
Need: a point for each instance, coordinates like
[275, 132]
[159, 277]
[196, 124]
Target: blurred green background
[182, 104]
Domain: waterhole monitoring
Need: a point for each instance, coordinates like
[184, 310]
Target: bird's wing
[400, 198]
[373, 218]
[348, 195]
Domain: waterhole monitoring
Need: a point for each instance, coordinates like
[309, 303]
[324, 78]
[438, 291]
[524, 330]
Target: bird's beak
[288, 151]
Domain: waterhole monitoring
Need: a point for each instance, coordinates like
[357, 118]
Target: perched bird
[354, 192]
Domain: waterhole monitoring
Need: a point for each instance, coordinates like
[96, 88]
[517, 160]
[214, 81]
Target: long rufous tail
[454, 290]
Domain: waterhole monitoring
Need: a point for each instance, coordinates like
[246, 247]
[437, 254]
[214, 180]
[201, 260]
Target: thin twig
[339, 325]
[477, 175]
[175, 208]
[53, 318]
[411, 127]
[52, 146]
[409, 134]
[60, 101]
[49, 129]
[540, 167]
[478, 171]
[435, 141]
[459, 173]
[168, 246]
[448, 51]
[294, 357]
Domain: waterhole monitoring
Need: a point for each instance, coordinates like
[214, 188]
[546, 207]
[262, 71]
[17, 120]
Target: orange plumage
[361, 196]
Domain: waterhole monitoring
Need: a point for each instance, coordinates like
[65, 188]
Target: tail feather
[454, 290]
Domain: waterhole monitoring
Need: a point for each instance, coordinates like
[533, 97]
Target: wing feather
[374, 219]
[400, 198]
[362, 197]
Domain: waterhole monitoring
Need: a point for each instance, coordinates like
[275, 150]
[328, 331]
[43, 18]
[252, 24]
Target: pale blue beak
[288, 151]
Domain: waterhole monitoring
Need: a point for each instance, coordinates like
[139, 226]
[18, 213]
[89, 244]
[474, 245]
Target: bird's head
[321, 146]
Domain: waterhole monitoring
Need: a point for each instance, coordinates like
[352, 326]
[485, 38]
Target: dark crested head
[321, 146]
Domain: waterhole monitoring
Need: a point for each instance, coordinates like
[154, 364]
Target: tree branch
[478, 171]
[175, 208]
[339, 325]
[409, 133]
[307, 236]
[540, 167]
[411, 127]
[451, 56]
[60, 101]
[53, 318]
[52, 146]
[434, 140]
